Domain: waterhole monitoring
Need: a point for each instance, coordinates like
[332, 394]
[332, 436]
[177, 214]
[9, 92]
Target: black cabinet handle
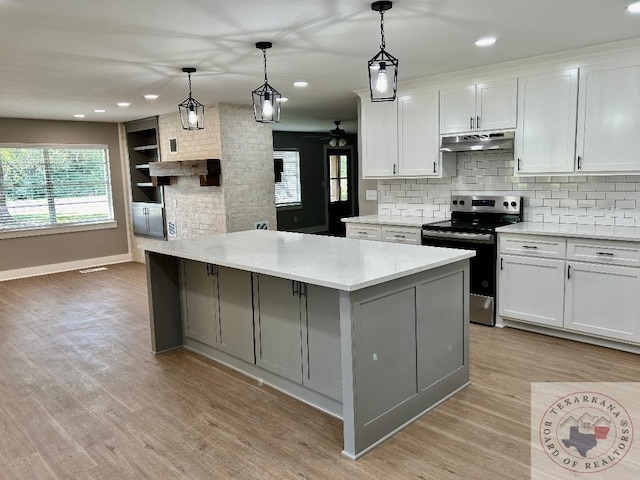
[579, 162]
[394, 168]
[568, 271]
[294, 291]
[501, 263]
[471, 123]
[518, 168]
[532, 247]
[608, 254]
[477, 122]
[434, 167]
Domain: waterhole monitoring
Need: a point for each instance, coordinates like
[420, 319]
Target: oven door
[482, 266]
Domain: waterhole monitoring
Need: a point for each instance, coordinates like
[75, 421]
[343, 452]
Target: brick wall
[588, 200]
[247, 169]
[245, 150]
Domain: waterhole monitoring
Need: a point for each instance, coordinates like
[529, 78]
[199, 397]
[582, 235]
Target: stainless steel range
[474, 219]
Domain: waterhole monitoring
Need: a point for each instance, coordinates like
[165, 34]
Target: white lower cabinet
[599, 297]
[603, 300]
[532, 289]
[386, 233]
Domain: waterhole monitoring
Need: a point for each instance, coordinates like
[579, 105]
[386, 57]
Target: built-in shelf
[208, 170]
[142, 148]
[142, 166]
[145, 184]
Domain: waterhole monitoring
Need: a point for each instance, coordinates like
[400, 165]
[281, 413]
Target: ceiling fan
[337, 136]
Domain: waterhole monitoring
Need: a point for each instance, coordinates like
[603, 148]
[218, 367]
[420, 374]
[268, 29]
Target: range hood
[477, 142]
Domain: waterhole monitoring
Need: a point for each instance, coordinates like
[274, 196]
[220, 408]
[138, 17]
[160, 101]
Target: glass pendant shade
[265, 98]
[383, 67]
[191, 111]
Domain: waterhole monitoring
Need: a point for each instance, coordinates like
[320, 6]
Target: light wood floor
[82, 397]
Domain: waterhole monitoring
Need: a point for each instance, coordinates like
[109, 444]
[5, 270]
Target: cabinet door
[545, 137]
[199, 302]
[458, 109]
[278, 336]
[419, 142]
[155, 221]
[321, 341]
[603, 300]
[609, 118]
[379, 139]
[235, 335]
[531, 289]
[496, 105]
[139, 216]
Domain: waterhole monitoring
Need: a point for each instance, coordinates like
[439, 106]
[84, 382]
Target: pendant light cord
[382, 45]
[264, 55]
[189, 75]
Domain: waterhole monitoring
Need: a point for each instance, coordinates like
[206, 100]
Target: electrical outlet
[260, 382]
[371, 195]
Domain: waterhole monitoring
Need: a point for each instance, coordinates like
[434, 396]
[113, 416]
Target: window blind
[48, 185]
[288, 191]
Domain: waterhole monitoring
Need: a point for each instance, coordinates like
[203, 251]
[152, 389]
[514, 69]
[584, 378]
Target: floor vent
[93, 270]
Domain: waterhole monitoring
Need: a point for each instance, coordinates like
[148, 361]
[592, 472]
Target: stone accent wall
[247, 169]
[588, 200]
[246, 194]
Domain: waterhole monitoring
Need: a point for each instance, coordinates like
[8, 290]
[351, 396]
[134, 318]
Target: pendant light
[191, 110]
[266, 99]
[383, 67]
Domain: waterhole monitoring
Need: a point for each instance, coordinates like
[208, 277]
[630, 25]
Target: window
[288, 191]
[338, 177]
[43, 186]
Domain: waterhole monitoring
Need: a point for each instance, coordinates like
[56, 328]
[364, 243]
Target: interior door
[340, 187]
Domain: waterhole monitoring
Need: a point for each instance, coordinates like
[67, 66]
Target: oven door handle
[470, 237]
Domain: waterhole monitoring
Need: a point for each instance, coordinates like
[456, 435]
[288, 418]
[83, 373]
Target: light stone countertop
[341, 263]
[398, 221]
[596, 232]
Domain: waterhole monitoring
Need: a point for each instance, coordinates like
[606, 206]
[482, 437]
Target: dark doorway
[340, 187]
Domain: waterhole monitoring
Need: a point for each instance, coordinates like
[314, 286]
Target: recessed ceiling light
[634, 8]
[79, 115]
[282, 99]
[485, 42]
[123, 104]
[99, 110]
[300, 84]
[150, 96]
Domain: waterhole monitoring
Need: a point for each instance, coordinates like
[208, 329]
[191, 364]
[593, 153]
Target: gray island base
[373, 333]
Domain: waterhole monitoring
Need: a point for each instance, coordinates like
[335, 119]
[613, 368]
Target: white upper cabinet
[608, 137]
[418, 139]
[479, 107]
[545, 137]
[379, 123]
[401, 138]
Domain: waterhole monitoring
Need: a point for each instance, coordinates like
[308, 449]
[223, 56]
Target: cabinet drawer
[402, 235]
[607, 252]
[367, 232]
[533, 245]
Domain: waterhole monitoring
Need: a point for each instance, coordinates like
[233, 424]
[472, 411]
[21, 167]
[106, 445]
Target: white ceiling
[63, 57]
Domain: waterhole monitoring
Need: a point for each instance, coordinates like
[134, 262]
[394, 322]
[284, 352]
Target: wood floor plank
[82, 397]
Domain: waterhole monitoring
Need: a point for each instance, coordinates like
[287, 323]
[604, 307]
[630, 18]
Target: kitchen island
[373, 333]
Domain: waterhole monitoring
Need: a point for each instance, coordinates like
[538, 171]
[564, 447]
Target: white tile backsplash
[585, 200]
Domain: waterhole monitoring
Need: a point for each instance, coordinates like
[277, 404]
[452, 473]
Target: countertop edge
[312, 281]
[623, 234]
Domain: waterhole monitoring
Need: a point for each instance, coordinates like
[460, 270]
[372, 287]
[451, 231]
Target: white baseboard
[63, 267]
